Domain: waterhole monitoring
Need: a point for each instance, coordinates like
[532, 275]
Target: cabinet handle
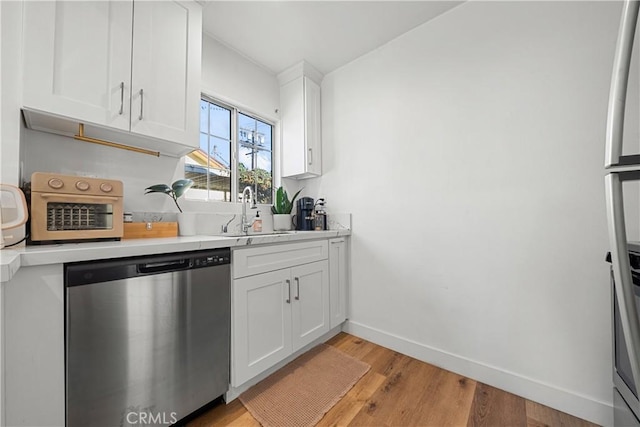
[121, 98]
[310, 156]
[141, 103]
[335, 242]
[288, 300]
[79, 196]
[297, 288]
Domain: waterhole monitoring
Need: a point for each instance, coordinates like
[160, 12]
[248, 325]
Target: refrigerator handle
[622, 271]
[619, 80]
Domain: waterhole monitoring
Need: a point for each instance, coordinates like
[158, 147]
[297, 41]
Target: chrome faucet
[245, 223]
[225, 228]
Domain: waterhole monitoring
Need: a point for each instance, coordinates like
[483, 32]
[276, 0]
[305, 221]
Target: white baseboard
[563, 400]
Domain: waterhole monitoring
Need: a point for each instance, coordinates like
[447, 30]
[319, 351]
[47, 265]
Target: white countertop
[12, 259]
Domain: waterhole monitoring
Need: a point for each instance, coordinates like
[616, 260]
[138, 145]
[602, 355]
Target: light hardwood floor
[402, 391]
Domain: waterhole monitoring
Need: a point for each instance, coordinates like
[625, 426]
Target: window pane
[221, 151]
[225, 133]
[204, 116]
[209, 167]
[219, 121]
[254, 157]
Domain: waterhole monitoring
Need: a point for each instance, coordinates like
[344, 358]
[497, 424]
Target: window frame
[235, 145]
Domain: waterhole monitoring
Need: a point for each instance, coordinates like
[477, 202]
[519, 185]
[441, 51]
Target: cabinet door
[313, 148]
[261, 323]
[292, 120]
[77, 59]
[310, 317]
[300, 118]
[167, 43]
[338, 279]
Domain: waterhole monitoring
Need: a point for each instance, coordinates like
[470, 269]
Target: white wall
[470, 152]
[10, 38]
[11, 30]
[224, 73]
[250, 87]
[483, 131]
[231, 77]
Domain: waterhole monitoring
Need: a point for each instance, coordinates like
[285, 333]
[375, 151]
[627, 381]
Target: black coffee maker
[304, 217]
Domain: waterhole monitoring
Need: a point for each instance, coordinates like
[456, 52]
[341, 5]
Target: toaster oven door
[56, 217]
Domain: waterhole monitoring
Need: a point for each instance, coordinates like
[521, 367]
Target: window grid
[218, 169]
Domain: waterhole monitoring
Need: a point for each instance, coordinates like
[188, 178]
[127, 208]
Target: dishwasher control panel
[211, 260]
[89, 272]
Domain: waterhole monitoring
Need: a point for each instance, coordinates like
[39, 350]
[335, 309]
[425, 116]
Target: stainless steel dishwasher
[147, 338]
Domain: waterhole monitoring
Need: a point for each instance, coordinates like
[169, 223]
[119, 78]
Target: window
[235, 152]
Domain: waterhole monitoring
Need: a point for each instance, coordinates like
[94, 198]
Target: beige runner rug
[300, 393]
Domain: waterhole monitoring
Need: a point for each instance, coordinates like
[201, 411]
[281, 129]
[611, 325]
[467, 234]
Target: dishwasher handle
[167, 266]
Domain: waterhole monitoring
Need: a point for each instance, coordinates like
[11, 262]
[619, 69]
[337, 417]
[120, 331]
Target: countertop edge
[9, 264]
[12, 260]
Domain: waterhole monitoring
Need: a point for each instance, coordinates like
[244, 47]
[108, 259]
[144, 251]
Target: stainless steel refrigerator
[622, 184]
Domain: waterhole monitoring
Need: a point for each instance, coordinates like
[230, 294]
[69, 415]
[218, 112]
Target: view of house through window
[226, 135]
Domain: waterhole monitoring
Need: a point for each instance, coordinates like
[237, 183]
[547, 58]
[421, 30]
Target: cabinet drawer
[247, 262]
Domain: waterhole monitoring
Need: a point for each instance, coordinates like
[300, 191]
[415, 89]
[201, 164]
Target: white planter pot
[281, 222]
[187, 224]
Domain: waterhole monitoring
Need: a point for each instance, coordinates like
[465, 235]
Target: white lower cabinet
[33, 347]
[310, 303]
[261, 323]
[276, 313]
[338, 280]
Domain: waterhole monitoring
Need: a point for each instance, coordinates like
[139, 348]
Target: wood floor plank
[383, 360]
[395, 402]
[543, 416]
[447, 403]
[401, 391]
[354, 346]
[494, 407]
[221, 415]
[337, 339]
[245, 420]
[345, 411]
[374, 411]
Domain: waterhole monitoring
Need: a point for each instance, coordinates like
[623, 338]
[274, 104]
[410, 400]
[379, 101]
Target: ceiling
[327, 34]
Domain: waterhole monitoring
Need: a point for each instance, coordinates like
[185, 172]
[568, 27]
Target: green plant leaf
[158, 188]
[282, 204]
[278, 206]
[285, 204]
[294, 197]
[181, 186]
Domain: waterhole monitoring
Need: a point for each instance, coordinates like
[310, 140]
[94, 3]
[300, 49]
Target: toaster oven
[74, 208]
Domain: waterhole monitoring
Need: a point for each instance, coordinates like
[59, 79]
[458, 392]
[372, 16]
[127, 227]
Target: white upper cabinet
[300, 122]
[167, 37]
[129, 66]
[77, 60]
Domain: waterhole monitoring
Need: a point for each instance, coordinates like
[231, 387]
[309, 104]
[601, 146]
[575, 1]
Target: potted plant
[176, 190]
[186, 221]
[281, 209]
